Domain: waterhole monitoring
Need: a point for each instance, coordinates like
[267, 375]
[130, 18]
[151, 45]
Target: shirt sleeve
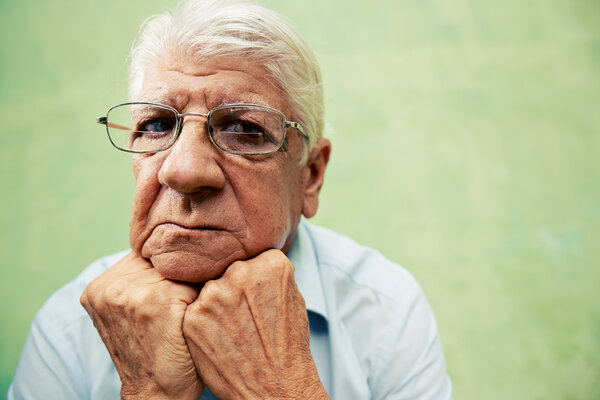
[51, 364]
[49, 367]
[410, 362]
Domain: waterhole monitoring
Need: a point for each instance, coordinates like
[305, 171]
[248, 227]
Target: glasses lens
[141, 127]
[247, 129]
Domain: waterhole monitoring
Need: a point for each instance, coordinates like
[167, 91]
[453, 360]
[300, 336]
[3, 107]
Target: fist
[139, 315]
[248, 332]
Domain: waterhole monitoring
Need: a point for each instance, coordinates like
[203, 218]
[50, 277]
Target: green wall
[466, 140]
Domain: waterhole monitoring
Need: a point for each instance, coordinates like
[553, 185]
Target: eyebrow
[167, 100]
[212, 101]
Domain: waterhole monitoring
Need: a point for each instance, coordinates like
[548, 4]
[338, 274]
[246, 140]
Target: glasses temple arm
[297, 126]
[104, 121]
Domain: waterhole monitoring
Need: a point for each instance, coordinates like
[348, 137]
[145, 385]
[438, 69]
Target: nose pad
[192, 163]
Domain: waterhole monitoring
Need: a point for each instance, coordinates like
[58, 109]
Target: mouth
[178, 227]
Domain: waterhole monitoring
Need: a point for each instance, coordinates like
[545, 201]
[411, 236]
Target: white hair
[210, 28]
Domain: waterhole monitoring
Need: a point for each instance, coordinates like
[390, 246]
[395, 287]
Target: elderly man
[225, 291]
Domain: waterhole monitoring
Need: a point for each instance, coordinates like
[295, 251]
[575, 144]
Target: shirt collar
[308, 277]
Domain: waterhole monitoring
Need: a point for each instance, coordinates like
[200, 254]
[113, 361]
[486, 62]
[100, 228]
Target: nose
[191, 164]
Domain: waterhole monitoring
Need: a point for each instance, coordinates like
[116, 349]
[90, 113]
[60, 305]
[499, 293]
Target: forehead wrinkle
[210, 99]
[183, 71]
[244, 97]
[165, 96]
[183, 88]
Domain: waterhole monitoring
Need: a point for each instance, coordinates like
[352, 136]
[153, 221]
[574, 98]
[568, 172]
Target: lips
[172, 237]
[182, 227]
[191, 254]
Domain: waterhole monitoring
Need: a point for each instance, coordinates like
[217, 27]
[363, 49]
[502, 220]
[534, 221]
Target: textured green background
[466, 147]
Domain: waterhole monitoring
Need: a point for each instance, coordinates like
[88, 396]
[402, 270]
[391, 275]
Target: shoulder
[364, 266]
[63, 353]
[380, 314]
[63, 308]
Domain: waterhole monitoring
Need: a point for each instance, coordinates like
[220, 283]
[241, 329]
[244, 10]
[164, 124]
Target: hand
[248, 333]
[139, 315]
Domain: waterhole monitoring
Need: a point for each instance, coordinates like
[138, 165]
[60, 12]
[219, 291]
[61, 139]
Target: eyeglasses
[245, 129]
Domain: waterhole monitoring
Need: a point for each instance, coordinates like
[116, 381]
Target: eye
[152, 132]
[244, 128]
[158, 125]
[243, 135]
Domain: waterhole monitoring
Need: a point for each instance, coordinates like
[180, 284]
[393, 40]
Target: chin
[186, 267]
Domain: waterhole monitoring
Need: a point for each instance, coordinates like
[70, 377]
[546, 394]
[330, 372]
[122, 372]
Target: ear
[315, 168]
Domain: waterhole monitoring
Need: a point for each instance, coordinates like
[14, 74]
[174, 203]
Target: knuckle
[112, 296]
[215, 296]
[208, 296]
[208, 292]
[135, 298]
[192, 320]
[85, 300]
[114, 293]
[276, 263]
[92, 296]
[238, 275]
[274, 256]
[238, 269]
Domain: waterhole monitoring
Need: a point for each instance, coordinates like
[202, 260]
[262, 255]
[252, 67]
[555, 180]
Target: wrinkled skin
[270, 356]
[139, 315]
[202, 215]
[236, 206]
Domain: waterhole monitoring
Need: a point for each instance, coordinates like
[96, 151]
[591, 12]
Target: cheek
[147, 189]
[271, 202]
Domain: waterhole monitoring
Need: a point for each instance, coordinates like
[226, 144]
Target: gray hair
[209, 28]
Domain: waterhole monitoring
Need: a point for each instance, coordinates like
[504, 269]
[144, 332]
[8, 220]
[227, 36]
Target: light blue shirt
[372, 332]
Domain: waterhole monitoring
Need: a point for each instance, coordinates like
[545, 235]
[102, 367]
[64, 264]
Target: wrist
[157, 394]
[307, 386]
[315, 392]
[141, 394]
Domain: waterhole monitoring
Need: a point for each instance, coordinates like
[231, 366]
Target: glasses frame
[179, 125]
